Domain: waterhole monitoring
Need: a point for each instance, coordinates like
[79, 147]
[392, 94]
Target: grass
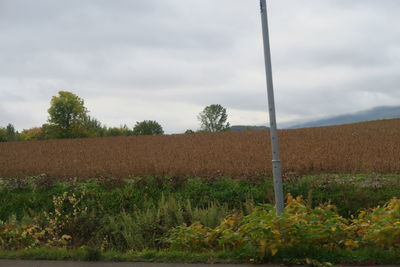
[366, 256]
[127, 218]
[83, 254]
[351, 193]
[361, 257]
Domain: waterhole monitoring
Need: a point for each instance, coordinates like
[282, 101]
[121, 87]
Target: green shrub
[73, 216]
[227, 191]
[141, 229]
[379, 227]
[349, 193]
[262, 234]
[135, 214]
[14, 235]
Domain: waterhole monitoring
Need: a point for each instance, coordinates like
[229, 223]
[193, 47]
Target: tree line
[69, 118]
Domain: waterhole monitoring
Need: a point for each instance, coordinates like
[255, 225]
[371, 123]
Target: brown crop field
[354, 148]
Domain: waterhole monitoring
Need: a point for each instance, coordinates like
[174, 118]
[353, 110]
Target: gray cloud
[166, 60]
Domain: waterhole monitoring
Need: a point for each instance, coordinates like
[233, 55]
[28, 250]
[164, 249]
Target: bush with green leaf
[15, 235]
[262, 234]
[379, 227]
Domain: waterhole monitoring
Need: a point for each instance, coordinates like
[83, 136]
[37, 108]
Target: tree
[121, 131]
[3, 134]
[8, 133]
[67, 115]
[213, 119]
[11, 134]
[31, 134]
[147, 128]
[93, 127]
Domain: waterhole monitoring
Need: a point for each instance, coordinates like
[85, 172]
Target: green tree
[93, 127]
[8, 134]
[11, 133]
[3, 134]
[213, 119]
[189, 131]
[119, 131]
[31, 134]
[147, 128]
[67, 116]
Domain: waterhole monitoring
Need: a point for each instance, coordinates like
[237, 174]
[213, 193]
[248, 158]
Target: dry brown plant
[354, 148]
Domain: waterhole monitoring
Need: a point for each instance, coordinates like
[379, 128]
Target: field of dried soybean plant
[354, 148]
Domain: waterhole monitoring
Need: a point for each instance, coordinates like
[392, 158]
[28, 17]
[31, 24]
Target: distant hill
[240, 128]
[378, 113]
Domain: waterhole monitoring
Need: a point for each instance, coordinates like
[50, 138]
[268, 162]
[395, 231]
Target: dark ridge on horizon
[377, 113]
[240, 128]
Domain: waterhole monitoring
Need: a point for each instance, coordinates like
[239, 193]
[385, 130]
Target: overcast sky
[165, 60]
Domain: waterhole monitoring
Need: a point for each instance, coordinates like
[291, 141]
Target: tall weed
[141, 229]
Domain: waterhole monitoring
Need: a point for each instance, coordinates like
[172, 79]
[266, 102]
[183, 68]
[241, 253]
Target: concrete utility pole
[276, 162]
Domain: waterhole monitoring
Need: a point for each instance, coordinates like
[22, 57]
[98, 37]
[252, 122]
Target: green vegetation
[262, 235]
[8, 134]
[315, 257]
[350, 193]
[191, 220]
[83, 254]
[147, 128]
[213, 119]
[69, 118]
[67, 115]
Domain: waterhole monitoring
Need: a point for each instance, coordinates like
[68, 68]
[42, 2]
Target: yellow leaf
[351, 243]
[231, 222]
[274, 251]
[276, 232]
[362, 214]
